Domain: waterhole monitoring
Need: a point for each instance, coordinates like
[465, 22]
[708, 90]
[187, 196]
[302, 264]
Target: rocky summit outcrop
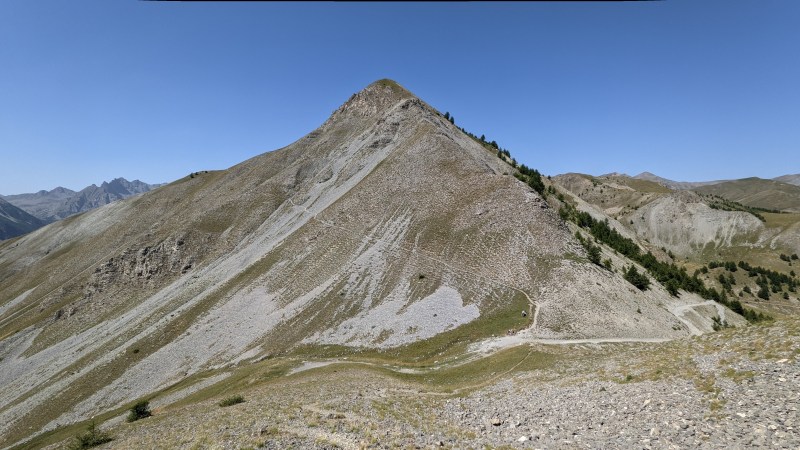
[384, 227]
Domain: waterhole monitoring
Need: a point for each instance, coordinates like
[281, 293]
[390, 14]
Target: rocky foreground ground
[737, 388]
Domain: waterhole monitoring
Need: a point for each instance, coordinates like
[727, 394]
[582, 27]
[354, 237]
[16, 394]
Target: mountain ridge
[790, 179]
[674, 184]
[60, 203]
[386, 228]
[757, 192]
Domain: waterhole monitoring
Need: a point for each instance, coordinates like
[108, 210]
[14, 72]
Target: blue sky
[690, 90]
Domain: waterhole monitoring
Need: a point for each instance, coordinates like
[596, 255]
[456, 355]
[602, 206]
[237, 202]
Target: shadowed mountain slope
[386, 227]
[15, 222]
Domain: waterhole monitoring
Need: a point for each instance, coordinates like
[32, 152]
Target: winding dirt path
[679, 311]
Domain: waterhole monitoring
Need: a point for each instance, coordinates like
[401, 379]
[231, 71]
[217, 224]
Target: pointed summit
[376, 98]
[386, 90]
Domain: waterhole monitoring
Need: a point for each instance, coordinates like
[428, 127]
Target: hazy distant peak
[789, 179]
[615, 174]
[649, 176]
[61, 202]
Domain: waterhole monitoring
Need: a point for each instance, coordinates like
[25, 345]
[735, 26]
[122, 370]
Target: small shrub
[637, 279]
[719, 324]
[230, 401]
[672, 287]
[91, 438]
[140, 410]
[593, 251]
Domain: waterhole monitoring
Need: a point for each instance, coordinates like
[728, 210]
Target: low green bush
[139, 411]
[91, 438]
[230, 401]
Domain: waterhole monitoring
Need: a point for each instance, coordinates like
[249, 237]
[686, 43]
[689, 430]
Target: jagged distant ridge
[60, 203]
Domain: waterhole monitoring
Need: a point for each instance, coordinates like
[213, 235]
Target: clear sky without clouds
[690, 90]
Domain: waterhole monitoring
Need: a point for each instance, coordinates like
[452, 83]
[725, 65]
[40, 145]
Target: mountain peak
[388, 85]
[373, 99]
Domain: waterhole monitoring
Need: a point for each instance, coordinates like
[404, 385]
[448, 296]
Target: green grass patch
[782, 220]
[484, 371]
[738, 375]
[230, 401]
[449, 378]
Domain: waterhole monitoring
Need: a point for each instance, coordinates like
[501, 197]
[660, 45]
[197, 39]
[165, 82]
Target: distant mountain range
[788, 179]
[779, 193]
[59, 203]
[674, 184]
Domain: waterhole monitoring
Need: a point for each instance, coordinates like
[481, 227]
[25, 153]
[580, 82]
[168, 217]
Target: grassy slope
[359, 399]
[757, 192]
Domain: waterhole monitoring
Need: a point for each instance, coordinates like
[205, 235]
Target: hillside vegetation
[758, 193]
[698, 233]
